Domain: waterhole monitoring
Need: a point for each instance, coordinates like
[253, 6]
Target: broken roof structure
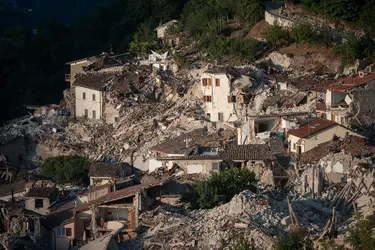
[103, 169]
[186, 143]
[353, 145]
[43, 192]
[313, 127]
[346, 84]
[95, 81]
[118, 195]
[174, 21]
[102, 243]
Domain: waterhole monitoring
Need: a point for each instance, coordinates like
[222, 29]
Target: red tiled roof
[344, 84]
[311, 128]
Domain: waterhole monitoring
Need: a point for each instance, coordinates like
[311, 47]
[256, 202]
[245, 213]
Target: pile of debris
[260, 217]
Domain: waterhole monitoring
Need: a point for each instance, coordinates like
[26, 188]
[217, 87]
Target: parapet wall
[273, 18]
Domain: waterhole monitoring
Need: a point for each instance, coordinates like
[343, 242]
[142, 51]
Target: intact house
[349, 101]
[59, 229]
[225, 92]
[197, 142]
[118, 175]
[314, 133]
[161, 29]
[89, 95]
[39, 199]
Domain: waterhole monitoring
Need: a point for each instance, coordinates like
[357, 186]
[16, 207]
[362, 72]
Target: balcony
[67, 77]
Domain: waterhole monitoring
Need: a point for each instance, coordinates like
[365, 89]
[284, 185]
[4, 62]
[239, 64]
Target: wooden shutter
[68, 231]
[217, 82]
[228, 98]
[209, 82]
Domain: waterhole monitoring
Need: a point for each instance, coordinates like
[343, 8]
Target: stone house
[161, 29]
[59, 229]
[314, 133]
[39, 199]
[226, 92]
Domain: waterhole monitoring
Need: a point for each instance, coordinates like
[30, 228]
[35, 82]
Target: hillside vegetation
[33, 64]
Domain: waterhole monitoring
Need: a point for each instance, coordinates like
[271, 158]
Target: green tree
[304, 33]
[276, 35]
[362, 236]
[66, 169]
[219, 188]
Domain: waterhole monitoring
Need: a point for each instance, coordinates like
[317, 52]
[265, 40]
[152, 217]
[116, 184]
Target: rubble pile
[260, 217]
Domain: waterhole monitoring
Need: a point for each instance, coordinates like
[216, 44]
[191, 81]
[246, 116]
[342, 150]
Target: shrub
[362, 236]
[66, 169]
[219, 188]
[277, 36]
[304, 33]
[293, 240]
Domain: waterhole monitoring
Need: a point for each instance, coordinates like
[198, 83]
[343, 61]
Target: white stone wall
[88, 103]
[219, 96]
[273, 19]
[318, 138]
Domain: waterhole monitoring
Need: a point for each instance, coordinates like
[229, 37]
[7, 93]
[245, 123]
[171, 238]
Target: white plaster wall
[319, 138]
[110, 113]
[273, 19]
[88, 104]
[154, 164]
[161, 32]
[219, 96]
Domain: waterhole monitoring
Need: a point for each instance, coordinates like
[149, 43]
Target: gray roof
[250, 152]
[42, 192]
[177, 145]
[117, 170]
[58, 218]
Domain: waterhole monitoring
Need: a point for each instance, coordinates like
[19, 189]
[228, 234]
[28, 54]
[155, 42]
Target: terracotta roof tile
[312, 127]
[344, 84]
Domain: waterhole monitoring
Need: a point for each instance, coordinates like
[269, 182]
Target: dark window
[116, 119]
[38, 203]
[93, 97]
[217, 82]
[86, 113]
[68, 231]
[207, 98]
[215, 166]
[233, 98]
[84, 96]
[204, 82]
[220, 117]
[94, 114]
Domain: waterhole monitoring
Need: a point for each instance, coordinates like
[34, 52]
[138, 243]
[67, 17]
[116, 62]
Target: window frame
[39, 202]
[68, 229]
[61, 231]
[207, 98]
[84, 95]
[217, 82]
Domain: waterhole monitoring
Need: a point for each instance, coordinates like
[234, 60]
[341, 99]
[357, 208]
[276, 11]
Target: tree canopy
[67, 169]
